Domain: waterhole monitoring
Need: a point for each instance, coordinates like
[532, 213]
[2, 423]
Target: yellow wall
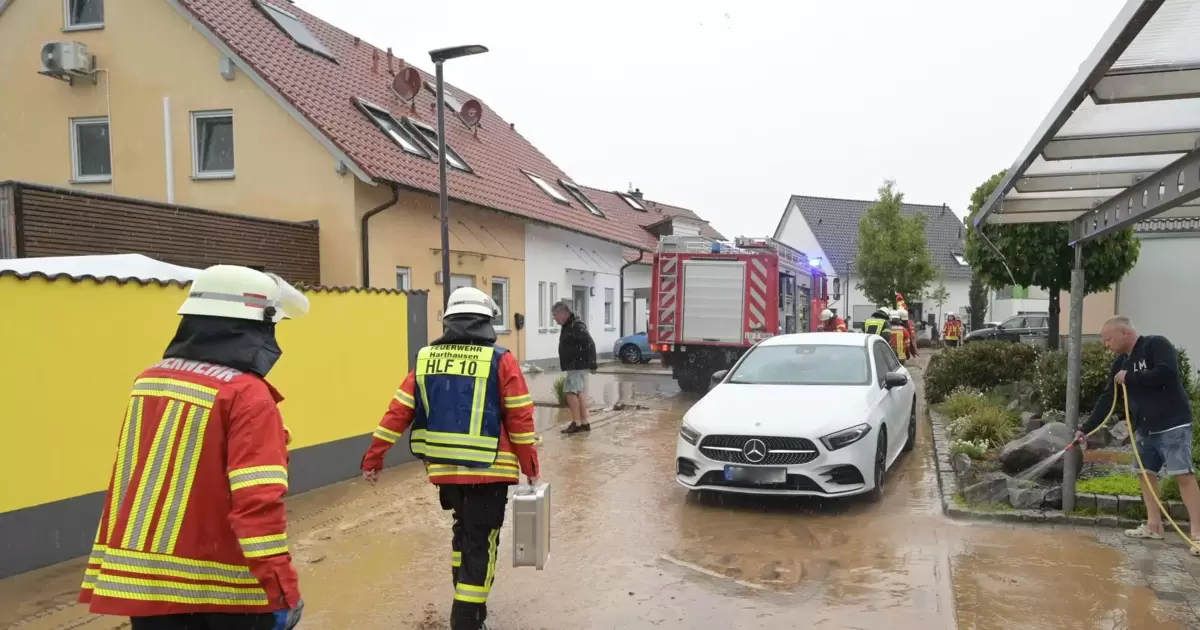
[150, 51]
[78, 346]
[483, 244]
[1097, 308]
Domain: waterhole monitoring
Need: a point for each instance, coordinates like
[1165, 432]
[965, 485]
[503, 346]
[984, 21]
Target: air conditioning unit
[67, 60]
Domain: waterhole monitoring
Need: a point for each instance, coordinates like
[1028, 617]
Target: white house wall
[794, 231]
[565, 259]
[1156, 294]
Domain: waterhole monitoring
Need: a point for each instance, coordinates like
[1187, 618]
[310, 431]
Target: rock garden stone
[1026, 451]
[1106, 504]
[1052, 498]
[1054, 416]
[1025, 498]
[1030, 422]
[992, 488]
[1014, 404]
[1118, 435]
[964, 469]
[1098, 439]
[1084, 501]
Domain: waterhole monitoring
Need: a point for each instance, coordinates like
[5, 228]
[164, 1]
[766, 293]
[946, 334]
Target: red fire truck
[711, 301]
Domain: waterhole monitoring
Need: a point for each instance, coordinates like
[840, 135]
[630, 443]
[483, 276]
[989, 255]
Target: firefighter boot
[468, 616]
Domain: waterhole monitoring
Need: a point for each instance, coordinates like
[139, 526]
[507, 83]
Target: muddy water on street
[632, 550]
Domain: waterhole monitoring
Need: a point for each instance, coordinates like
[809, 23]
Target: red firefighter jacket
[952, 331]
[898, 335]
[837, 324]
[910, 337]
[518, 441]
[194, 519]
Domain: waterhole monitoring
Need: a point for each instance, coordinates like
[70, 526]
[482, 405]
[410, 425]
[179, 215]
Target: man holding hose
[1148, 366]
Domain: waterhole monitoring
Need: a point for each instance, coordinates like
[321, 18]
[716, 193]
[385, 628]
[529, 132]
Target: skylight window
[451, 103]
[290, 23]
[633, 203]
[958, 258]
[580, 197]
[390, 126]
[430, 138]
[547, 188]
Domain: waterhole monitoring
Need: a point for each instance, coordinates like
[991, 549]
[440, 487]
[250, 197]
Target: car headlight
[846, 437]
[689, 435]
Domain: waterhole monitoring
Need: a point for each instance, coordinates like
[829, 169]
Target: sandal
[1143, 532]
[1192, 548]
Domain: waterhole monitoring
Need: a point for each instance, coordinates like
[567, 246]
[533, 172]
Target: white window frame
[85, 26]
[547, 188]
[543, 307]
[504, 315]
[401, 135]
[553, 300]
[419, 130]
[403, 278]
[76, 176]
[278, 14]
[573, 188]
[196, 157]
[633, 203]
[961, 260]
[609, 300]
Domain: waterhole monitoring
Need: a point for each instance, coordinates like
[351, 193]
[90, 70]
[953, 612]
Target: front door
[579, 302]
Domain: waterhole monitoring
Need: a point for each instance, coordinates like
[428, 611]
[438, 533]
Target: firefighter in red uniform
[832, 323]
[193, 533]
[897, 334]
[911, 336]
[952, 331]
[472, 424]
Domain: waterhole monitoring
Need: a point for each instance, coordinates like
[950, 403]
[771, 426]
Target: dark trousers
[478, 511]
[951, 343]
[205, 621]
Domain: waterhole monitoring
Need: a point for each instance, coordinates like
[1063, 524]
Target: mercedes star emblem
[754, 450]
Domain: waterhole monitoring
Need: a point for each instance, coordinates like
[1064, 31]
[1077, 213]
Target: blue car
[634, 349]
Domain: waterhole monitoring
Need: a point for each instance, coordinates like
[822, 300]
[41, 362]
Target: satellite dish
[407, 84]
[471, 112]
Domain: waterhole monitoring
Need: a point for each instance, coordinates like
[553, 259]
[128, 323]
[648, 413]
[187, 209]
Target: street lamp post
[440, 56]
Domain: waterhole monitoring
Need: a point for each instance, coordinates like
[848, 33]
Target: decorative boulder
[993, 488]
[1030, 422]
[1024, 498]
[1118, 434]
[964, 469]
[1026, 451]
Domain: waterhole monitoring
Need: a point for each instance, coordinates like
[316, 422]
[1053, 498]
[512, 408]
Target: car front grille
[781, 451]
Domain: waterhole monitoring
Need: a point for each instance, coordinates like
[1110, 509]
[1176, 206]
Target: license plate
[755, 474]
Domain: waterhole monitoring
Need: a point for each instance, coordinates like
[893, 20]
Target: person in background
[952, 331]
[898, 336]
[832, 323]
[576, 357]
[911, 337]
[193, 532]
[472, 424]
[1148, 366]
[877, 323]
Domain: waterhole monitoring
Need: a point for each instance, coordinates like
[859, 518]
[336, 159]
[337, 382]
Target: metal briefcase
[531, 526]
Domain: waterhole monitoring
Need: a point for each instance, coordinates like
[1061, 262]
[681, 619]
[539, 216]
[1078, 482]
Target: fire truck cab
[711, 301]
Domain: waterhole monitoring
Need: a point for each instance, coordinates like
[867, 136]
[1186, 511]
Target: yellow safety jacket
[875, 326]
[899, 342]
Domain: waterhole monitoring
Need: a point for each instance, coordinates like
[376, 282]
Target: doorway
[579, 302]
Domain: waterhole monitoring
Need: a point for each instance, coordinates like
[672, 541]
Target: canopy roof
[1122, 144]
[121, 267]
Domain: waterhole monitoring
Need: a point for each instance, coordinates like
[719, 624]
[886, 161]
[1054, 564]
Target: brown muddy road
[631, 552]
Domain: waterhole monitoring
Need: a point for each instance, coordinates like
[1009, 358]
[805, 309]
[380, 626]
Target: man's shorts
[1170, 450]
[576, 381]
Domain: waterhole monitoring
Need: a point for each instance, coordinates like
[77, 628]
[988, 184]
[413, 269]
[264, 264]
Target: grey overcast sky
[728, 108]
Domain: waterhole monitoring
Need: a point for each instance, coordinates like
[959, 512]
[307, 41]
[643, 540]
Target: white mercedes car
[820, 414]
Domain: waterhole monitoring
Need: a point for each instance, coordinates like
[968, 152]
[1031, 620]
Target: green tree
[977, 300]
[1038, 255]
[939, 296]
[892, 257]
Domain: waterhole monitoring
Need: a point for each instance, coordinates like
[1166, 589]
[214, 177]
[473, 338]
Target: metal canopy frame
[1122, 143]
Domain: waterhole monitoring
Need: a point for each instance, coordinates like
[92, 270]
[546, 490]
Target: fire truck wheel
[693, 383]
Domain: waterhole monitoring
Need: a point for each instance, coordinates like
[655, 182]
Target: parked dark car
[1013, 329]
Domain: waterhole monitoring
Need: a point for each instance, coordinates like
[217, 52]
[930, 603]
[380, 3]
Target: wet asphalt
[631, 550]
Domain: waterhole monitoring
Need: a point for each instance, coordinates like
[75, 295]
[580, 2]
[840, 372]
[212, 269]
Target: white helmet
[826, 315]
[243, 293]
[471, 300]
[902, 313]
[894, 314]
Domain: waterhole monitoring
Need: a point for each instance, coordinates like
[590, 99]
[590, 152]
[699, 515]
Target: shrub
[559, 392]
[1185, 370]
[1051, 377]
[963, 401]
[990, 426]
[974, 450]
[981, 365]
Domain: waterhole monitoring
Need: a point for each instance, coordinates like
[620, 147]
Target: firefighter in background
[193, 532]
[911, 337]
[877, 323]
[952, 331]
[899, 336]
[472, 424]
[832, 323]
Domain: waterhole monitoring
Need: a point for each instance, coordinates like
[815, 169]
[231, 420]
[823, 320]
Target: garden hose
[1137, 454]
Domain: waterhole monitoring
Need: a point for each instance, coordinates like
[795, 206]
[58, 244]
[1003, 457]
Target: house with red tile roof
[259, 108]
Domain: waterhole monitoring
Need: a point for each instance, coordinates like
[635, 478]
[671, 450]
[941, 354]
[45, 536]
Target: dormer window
[570, 187]
[547, 188]
[290, 23]
[958, 258]
[633, 203]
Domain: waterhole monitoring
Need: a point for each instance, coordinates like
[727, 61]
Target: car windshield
[809, 364]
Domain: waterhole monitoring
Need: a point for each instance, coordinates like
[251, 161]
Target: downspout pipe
[366, 234]
[621, 289]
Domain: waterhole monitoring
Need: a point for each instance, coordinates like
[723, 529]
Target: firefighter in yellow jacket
[472, 424]
[899, 336]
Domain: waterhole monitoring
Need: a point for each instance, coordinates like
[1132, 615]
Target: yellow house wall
[483, 244]
[150, 52]
[67, 377]
[1097, 308]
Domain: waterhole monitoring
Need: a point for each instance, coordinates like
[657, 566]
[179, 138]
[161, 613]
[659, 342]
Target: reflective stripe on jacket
[193, 520]
[457, 415]
[515, 451]
[875, 326]
[899, 341]
[952, 331]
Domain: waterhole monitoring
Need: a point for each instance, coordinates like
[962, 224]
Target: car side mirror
[719, 376]
[894, 379]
